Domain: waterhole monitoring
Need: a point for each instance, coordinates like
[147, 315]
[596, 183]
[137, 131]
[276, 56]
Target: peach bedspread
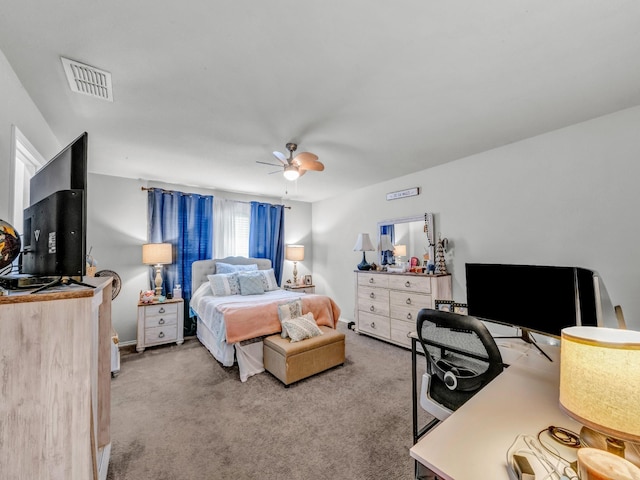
[250, 321]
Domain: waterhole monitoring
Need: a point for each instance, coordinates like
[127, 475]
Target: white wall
[17, 108]
[117, 228]
[569, 197]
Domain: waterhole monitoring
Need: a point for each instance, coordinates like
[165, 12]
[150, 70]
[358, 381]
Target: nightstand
[300, 288]
[159, 323]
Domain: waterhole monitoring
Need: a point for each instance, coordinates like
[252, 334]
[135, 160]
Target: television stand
[64, 281]
[527, 338]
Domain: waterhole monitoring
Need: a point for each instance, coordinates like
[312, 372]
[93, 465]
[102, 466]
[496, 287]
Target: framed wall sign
[409, 192]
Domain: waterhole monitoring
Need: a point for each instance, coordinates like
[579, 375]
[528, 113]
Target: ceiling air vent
[88, 80]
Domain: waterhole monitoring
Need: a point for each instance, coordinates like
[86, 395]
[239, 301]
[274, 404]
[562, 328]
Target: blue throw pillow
[250, 284]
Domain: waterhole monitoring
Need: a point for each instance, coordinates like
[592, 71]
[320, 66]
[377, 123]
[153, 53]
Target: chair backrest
[462, 356]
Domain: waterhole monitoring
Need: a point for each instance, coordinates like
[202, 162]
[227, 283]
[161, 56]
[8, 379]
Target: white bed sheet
[212, 334]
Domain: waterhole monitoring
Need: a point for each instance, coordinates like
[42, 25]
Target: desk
[473, 442]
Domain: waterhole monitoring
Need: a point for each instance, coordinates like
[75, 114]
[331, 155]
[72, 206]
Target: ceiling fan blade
[309, 164]
[301, 171]
[266, 163]
[281, 157]
[305, 157]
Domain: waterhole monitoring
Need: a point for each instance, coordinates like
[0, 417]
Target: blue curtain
[387, 255]
[266, 234]
[185, 221]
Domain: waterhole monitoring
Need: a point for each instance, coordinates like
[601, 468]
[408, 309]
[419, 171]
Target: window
[25, 160]
[231, 220]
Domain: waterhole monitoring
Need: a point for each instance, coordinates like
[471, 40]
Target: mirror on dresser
[416, 233]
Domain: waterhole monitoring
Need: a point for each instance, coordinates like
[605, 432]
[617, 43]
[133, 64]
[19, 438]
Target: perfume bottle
[177, 291]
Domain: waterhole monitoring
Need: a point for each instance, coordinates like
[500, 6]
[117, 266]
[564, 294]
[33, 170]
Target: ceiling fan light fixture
[291, 172]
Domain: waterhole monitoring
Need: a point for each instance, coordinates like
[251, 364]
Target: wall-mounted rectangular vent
[88, 80]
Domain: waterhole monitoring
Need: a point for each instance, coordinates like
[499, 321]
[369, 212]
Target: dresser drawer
[374, 324]
[405, 313]
[367, 294]
[410, 299]
[410, 282]
[373, 306]
[161, 334]
[400, 332]
[373, 280]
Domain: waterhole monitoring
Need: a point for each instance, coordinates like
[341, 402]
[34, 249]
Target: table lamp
[157, 254]
[600, 384]
[400, 251]
[385, 246]
[363, 244]
[295, 253]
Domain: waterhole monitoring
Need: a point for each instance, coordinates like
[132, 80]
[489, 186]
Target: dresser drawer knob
[372, 308]
[408, 302]
[409, 317]
[161, 335]
[161, 321]
[162, 310]
[373, 324]
[372, 295]
[407, 284]
[371, 280]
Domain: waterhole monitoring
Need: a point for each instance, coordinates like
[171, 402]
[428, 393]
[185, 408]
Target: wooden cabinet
[160, 323]
[55, 367]
[387, 304]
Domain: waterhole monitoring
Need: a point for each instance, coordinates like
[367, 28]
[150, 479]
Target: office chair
[462, 357]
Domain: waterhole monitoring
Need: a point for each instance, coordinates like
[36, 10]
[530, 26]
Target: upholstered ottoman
[292, 361]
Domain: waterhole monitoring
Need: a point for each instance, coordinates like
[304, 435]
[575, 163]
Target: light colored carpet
[178, 414]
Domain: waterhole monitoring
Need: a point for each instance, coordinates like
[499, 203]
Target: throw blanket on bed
[249, 321]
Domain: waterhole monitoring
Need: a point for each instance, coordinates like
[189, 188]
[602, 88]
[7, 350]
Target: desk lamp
[157, 254]
[600, 384]
[363, 244]
[295, 253]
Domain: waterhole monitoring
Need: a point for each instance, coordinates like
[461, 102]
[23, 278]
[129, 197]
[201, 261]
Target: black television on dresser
[536, 298]
[54, 240]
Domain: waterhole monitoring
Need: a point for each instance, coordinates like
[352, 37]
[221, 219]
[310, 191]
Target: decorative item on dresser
[363, 244]
[160, 323]
[387, 304]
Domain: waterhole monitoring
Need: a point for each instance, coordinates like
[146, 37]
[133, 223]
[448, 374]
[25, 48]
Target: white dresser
[160, 323]
[387, 304]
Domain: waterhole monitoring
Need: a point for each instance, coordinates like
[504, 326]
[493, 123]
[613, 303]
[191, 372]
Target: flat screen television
[542, 299]
[54, 240]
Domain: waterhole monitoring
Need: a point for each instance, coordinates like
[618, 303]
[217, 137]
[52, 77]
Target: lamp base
[593, 439]
[364, 265]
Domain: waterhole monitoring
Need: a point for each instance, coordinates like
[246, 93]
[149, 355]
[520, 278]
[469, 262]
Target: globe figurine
[9, 244]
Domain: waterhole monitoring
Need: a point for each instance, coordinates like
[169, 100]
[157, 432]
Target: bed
[231, 327]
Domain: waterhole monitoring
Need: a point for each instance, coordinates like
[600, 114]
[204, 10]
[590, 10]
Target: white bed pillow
[302, 327]
[224, 284]
[269, 280]
[287, 311]
[250, 284]
[222, 267]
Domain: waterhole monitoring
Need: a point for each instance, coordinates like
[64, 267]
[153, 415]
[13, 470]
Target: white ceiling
[205, 88]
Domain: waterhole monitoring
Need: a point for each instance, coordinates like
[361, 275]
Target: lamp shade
[157, 253]
[400, 251]
[385, 243]
[294, 253]
[600, 380]
[363, 243]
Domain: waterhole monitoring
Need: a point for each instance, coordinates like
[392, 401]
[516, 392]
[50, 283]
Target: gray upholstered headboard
[201, 268]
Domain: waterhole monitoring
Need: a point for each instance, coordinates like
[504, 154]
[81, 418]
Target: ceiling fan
[297, 166]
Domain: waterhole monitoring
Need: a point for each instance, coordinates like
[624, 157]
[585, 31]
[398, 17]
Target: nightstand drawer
[161, 309]
[161, 334]
[161, 320]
